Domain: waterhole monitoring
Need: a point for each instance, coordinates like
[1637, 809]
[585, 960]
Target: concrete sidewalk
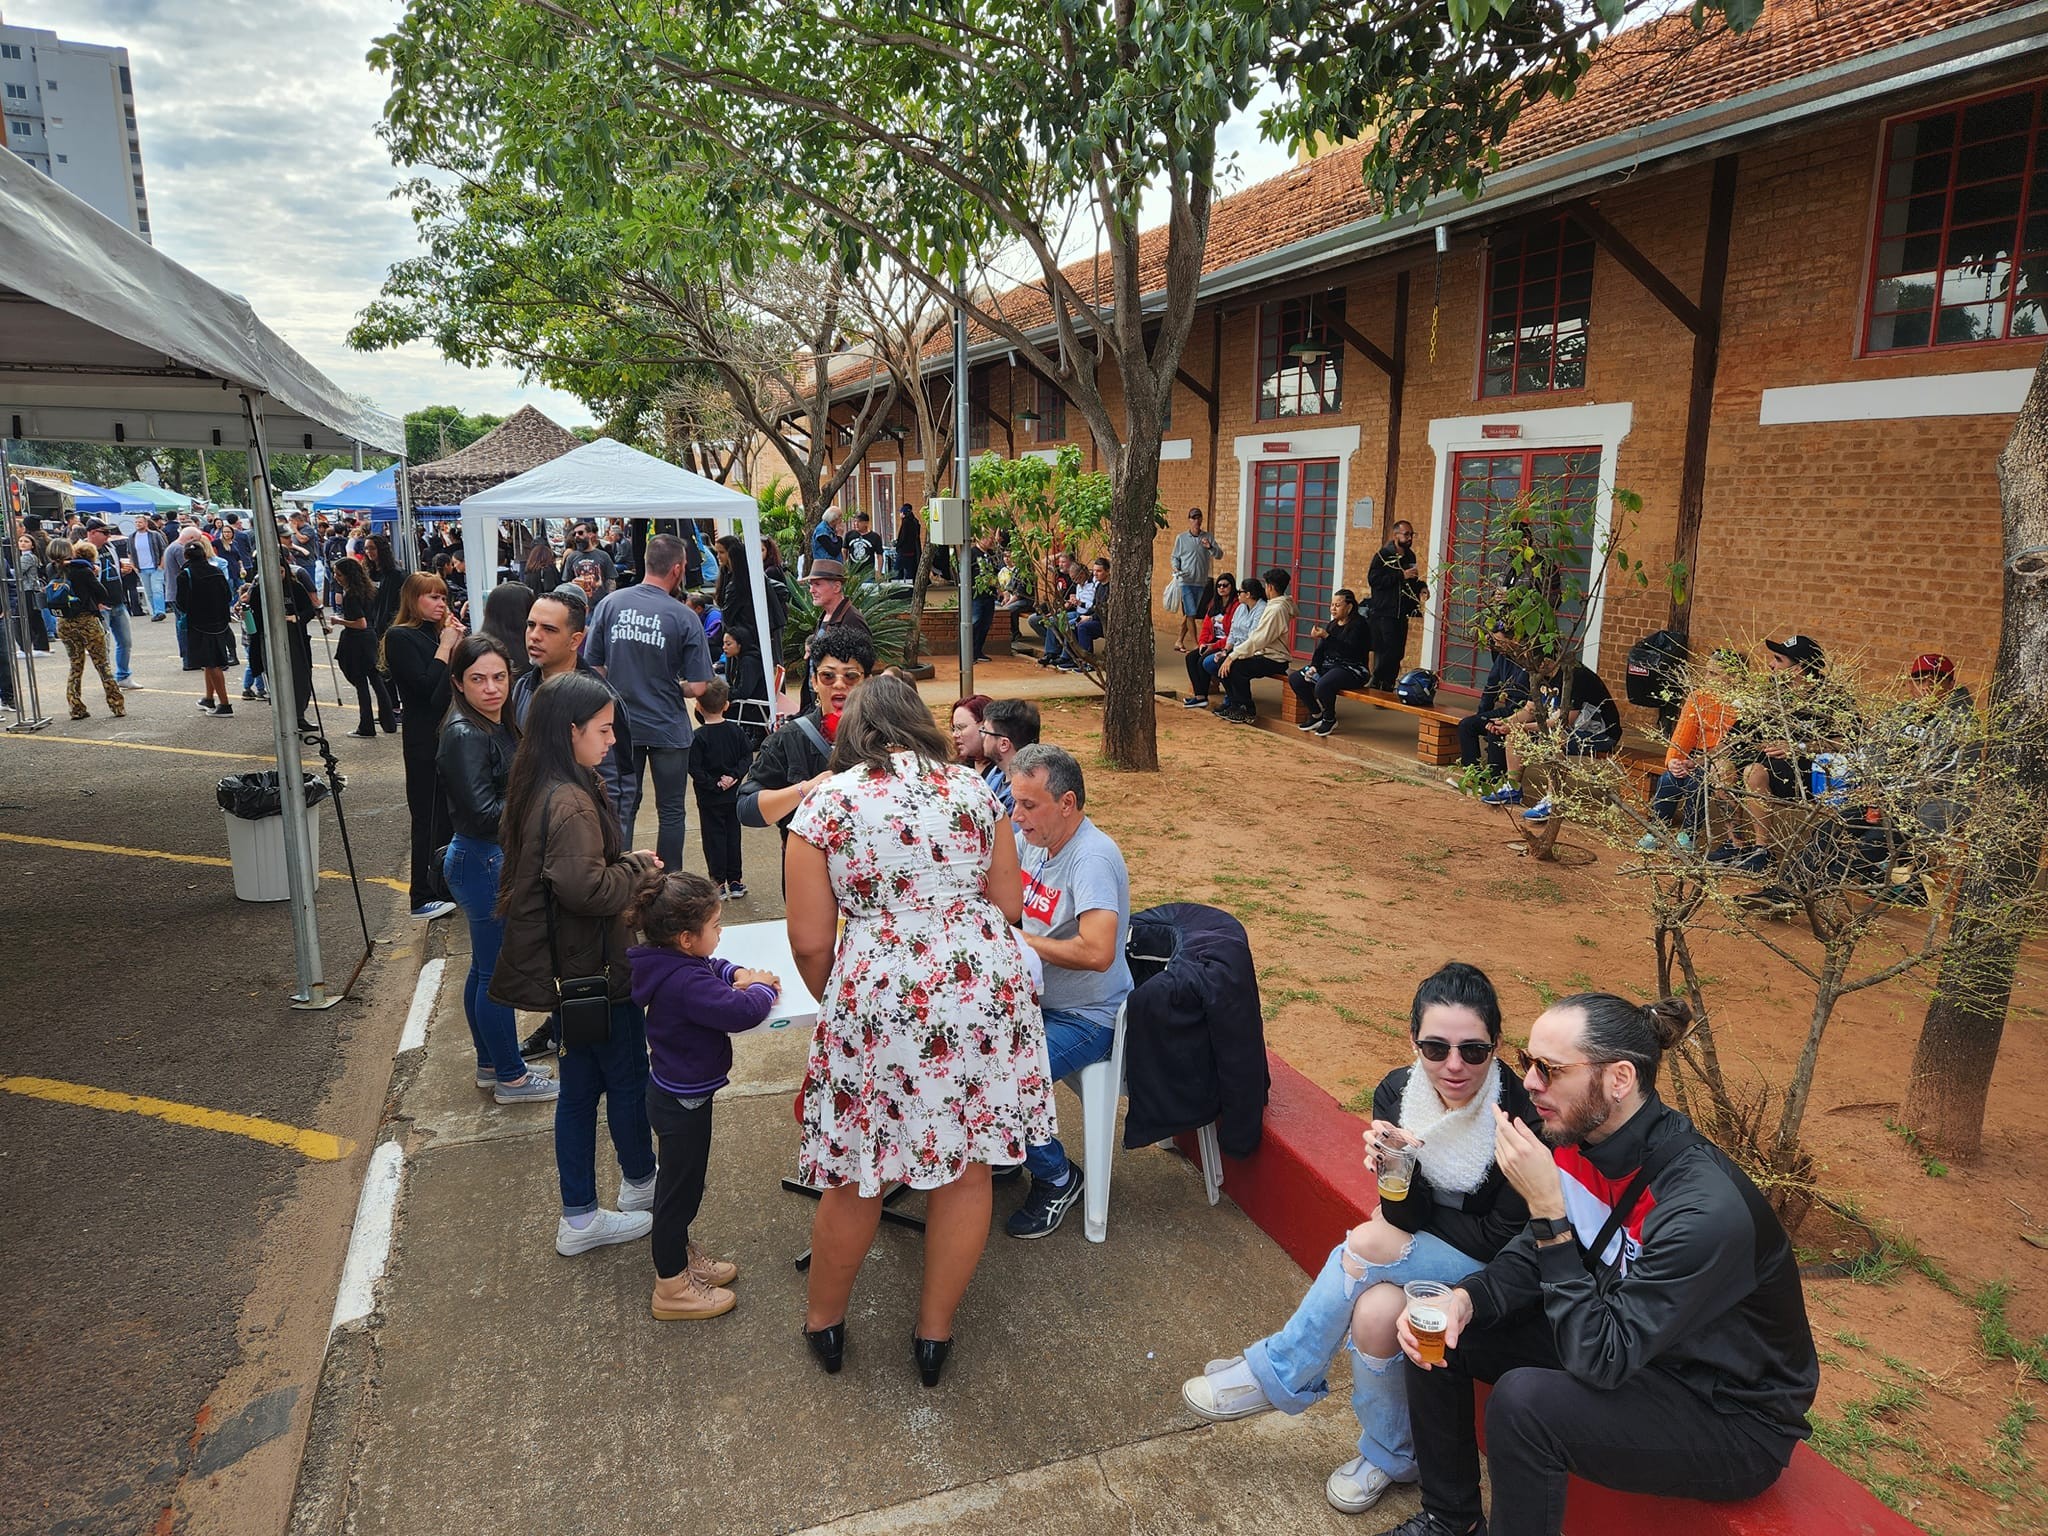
[514, 1390]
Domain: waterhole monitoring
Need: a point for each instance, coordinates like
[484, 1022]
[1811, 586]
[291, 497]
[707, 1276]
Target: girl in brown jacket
[559, 837]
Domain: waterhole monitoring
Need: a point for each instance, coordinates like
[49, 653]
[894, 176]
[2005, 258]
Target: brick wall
[1880, 539]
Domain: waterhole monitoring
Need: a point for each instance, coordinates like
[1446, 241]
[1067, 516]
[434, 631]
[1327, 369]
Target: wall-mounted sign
[1499, 429]
[1361, 512]
[1274, 447]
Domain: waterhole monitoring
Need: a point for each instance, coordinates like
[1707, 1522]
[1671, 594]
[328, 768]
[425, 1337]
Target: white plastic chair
[766, 713]
[1100, 1085]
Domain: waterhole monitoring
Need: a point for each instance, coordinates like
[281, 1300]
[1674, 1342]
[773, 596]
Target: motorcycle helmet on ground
[1417, 687]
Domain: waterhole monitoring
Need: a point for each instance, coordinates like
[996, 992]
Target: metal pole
[960, 469]
[300, 874]
[408, 533]
[28, 705]
[205, 491]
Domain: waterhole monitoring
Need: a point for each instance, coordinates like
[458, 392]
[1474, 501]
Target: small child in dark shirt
[695, 1003]
[719, 758]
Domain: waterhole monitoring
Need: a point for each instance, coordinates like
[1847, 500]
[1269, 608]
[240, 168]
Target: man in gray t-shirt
[651, 649]
[1077, 915]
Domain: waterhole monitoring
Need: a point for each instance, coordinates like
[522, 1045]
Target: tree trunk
[1129, 736]
[1965, 1023]
[1826, 992]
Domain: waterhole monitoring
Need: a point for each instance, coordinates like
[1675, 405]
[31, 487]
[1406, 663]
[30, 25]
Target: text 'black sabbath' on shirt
[649, 644]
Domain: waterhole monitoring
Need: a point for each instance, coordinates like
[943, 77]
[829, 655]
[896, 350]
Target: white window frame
[1339, 443]
[1559, 426]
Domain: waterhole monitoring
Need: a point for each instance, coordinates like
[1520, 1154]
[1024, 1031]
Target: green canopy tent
[156, 496]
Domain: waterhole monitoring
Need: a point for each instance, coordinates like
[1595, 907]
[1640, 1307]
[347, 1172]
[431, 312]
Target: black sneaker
[1423, 1523]
[540, 1043]
[1046, 1205]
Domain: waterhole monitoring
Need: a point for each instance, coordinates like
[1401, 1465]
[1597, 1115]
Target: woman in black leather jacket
[474, 760]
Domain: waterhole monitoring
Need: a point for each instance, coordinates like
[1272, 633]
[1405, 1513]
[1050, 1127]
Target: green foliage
[1044, 506]
[782, 519]
[1995, 1332]
[886, 609]
[435, 431]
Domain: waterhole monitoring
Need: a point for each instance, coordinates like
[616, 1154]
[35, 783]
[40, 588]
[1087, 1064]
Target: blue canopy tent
[378, 496]
[101, 501]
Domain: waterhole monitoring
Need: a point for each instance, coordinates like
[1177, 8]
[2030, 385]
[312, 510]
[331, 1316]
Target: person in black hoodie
[77, 596]
[1342, 660]
[1647, 1330]
[719, 758]
[1458, 1211]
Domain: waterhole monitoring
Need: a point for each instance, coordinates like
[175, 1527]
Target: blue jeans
[1290, 1366]
[153, 584]
[1071, 1043]
[115, 617]
[616, 1072]
[983, 614]
[1681, 801]
[472, 869]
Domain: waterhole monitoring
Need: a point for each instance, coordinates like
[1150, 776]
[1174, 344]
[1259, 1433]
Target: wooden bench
[1436, 740]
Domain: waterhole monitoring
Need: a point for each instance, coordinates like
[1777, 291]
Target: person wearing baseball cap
[1801, 652]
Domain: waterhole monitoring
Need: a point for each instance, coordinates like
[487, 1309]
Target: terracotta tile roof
[524, 440]
[1642, 76]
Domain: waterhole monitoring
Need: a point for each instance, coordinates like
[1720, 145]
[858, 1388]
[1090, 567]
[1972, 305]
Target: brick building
[1797, 280]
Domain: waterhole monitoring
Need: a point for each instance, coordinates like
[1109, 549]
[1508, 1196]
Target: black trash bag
[253, 796]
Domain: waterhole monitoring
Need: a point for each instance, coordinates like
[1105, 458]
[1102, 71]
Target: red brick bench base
[1436, 739]
[1307, 1185]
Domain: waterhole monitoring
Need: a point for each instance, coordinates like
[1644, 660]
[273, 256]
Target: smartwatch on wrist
[1547, 1228]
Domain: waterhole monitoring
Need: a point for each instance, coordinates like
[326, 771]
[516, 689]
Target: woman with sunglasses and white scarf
[1459, 1211]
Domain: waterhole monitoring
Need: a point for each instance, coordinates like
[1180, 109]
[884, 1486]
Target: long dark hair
[350, 576]
[885, 715]
[732, 570]
[547, 762]
[505, 612]
[1457, 985]
[465, 656]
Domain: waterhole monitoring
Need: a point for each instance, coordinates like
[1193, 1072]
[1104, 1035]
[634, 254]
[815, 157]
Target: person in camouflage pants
[85, 637]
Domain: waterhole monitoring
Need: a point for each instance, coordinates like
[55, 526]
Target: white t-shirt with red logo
[1086, 875]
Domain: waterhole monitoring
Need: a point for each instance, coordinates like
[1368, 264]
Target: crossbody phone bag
[583, 1004]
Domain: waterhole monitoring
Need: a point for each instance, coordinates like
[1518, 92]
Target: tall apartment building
[68, 109]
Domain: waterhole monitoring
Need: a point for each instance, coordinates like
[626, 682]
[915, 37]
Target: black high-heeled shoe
[931, 1357]
[829, 1345]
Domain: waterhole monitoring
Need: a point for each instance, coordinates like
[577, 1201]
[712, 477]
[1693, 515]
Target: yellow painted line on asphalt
[135, 746]
[317, 1145]
[212, 861]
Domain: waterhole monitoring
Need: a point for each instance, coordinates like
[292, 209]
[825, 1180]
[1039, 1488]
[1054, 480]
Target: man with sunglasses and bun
[1647, 1331]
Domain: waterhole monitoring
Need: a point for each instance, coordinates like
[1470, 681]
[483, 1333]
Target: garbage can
[253, 807]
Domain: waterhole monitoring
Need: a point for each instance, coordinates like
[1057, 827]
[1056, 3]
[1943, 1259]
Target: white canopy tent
[334, 480]
[103, 338]
[608, 479]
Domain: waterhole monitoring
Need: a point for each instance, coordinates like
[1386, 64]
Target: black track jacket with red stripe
[1701, 1283]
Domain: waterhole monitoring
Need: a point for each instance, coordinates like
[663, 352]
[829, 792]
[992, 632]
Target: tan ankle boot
[712, 1271]
[684, 1298]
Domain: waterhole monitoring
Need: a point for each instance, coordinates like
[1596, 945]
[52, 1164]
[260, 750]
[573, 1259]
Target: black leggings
[371, 689]
[1200, 679]
[684, 1135]
[431, 827]
[1651, 1434]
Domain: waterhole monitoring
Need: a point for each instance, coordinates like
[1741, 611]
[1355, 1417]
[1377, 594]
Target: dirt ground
[1356, 879]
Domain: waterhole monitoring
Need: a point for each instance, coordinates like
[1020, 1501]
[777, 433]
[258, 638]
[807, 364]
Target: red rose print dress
[930, 1052]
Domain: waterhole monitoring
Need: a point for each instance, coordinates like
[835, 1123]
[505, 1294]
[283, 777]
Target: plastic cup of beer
[1397, 1168]
[1428, 1316]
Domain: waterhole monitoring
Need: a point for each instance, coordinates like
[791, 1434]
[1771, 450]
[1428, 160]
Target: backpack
[57, 594]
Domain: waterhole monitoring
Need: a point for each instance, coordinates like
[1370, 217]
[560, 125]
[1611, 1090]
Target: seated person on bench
[1342, 660]
[1647, 1331]
[1077, 916]
[1594, 729]
[1484, 733]
[1230, 620]
[1265, 652]
[1085, 608]
[1680, 798]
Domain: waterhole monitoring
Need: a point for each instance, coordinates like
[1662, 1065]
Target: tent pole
[757, 577]
[28, 705]
[300, 873]
[408, 529]
[480, 554]
[960, 474]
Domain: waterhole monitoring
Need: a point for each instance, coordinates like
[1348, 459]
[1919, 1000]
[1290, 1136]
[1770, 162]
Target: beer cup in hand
[1428, 1318]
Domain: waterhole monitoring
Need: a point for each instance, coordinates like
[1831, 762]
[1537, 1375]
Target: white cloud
[266, 176]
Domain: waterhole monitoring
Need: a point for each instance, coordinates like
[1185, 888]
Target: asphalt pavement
[168, 1280]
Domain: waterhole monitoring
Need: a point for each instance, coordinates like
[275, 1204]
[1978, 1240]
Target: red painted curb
[1306, 1186]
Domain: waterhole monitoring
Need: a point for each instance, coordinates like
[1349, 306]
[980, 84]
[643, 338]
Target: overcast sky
[266, 177]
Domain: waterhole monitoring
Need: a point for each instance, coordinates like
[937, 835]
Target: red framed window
[1294, 527]
[1301, 357]
[1052, 411]
[977, 408]
[1487, 492]
[1539, 301]
[1960, 252]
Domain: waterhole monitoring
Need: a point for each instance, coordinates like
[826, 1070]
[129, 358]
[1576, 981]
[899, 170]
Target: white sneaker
[605, 1227]
[538, 1088]
[487, 1082]
[1356, 1486]
[636, 1197]
[1223, 1392]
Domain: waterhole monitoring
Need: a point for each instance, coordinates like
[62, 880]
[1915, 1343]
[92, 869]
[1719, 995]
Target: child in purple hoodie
[695, 1004]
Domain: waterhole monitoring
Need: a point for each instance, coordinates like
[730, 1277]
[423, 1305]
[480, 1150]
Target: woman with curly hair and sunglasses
[1434, 1119]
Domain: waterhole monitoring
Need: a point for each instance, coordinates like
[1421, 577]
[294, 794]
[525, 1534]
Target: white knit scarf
[1457, 1144]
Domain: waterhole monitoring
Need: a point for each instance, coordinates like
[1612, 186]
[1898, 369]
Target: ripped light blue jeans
[1291, 1365]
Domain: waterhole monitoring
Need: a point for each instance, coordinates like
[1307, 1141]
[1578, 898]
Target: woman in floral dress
[929, 1060]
